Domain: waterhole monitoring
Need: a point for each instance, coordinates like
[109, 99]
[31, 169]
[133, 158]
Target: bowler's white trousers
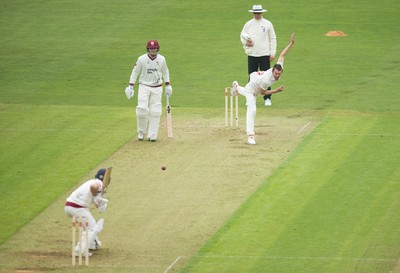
[251, 107]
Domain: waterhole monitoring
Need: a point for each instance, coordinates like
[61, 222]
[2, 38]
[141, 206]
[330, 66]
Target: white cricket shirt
[83, 196]
[262, 34]
[261, 80]
[151, 72]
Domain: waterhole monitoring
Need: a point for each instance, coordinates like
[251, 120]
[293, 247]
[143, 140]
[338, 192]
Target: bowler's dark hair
[277, 67]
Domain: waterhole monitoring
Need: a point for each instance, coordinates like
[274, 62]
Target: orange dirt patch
[335, 33]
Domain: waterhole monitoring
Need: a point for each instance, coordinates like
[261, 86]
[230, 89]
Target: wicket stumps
[229, 107]
[81, 220]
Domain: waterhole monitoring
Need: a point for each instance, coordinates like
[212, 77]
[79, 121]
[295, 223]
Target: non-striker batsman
[152, 70]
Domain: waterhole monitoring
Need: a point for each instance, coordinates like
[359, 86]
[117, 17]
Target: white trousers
[251, 108]
[93, 231]
[148, 98]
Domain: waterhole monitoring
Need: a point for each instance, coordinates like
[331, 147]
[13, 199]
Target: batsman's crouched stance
[152, 69]
[77, 205]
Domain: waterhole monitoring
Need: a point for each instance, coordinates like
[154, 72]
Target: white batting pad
[155, 114]
[93, 233]
[142, 118]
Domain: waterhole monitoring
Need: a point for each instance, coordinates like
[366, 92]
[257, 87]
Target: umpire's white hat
[257, 9]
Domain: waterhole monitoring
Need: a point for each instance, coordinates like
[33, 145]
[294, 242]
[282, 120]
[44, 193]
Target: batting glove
[168, 90]
[103, 206]
[129, 92]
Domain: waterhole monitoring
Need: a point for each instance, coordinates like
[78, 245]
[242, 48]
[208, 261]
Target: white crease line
[357, 134]
[176, 260]
[304, 127]
[59, 129]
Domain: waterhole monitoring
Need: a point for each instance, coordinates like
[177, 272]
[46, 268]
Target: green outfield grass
[331, 206]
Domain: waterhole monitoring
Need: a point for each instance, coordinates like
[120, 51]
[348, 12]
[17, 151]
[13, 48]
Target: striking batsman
[152, 69]
[78, 204]
[258, 85]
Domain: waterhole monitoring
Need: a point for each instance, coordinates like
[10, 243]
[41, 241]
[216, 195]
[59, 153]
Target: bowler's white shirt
[151, 72]
[261, 80]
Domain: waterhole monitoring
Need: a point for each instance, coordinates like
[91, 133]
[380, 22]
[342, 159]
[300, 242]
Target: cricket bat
[169, 118]
[106, 179]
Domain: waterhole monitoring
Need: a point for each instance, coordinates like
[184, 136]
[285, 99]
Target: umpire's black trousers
[259, 64]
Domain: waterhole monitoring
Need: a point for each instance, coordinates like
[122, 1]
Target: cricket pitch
[156, 220]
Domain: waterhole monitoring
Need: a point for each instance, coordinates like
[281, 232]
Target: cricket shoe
[97, 242]
[250, 140]
[95, 245]
[152, 137]
[268, 102]
[140, 136]
[235, 85]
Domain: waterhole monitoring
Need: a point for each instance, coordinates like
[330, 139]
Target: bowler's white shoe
[268, 102]
[140, 135]
[250, 140]
[235, 85]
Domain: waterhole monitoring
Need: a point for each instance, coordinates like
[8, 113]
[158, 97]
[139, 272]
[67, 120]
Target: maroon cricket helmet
[152, 44]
